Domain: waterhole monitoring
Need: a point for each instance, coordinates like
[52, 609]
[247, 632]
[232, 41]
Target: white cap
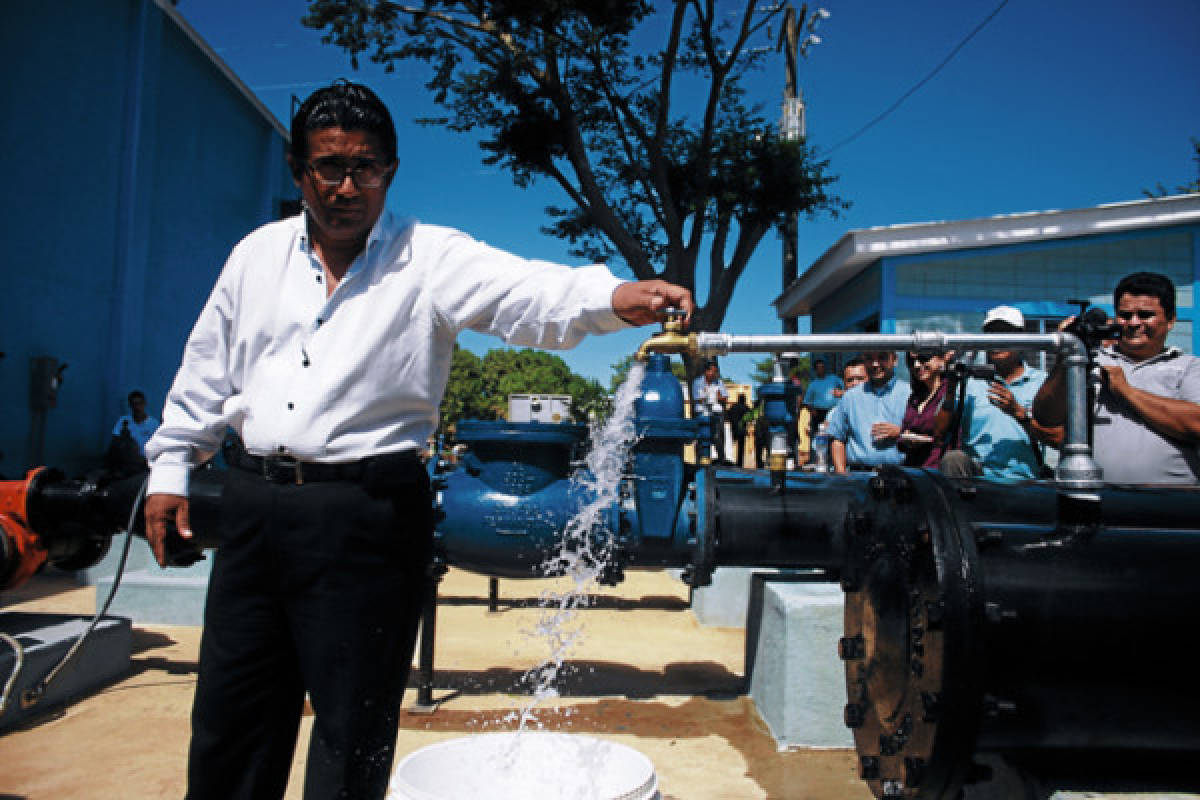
[1006, 314]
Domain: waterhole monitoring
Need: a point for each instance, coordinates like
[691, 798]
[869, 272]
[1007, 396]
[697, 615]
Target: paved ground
[646, 675]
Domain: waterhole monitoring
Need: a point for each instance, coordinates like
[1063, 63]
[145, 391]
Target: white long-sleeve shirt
[362, 371]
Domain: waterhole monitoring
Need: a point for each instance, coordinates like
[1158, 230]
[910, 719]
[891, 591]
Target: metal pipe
[1077, 470]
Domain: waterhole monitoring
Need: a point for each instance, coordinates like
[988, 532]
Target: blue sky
[1052, 105]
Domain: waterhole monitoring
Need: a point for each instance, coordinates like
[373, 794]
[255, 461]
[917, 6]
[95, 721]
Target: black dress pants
[316, 588]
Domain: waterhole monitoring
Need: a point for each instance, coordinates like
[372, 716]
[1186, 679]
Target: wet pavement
[645, 674]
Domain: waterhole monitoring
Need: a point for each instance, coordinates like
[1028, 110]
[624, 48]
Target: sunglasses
[921, 358]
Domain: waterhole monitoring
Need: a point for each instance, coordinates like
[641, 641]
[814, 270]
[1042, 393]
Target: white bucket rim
[646, 790]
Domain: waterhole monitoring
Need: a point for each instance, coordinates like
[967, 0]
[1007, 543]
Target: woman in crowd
[923, 431]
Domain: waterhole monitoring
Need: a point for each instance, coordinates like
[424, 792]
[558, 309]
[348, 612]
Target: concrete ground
[645, 674]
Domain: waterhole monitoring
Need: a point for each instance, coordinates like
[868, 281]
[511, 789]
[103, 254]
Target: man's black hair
[818, 361]
[135, 393]
[1148, 284]
[854, 362]
[345, 105]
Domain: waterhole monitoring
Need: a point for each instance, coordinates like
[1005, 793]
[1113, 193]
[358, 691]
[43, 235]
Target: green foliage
[664, 162]
[764, 370]
[464, 389]
[479, 388]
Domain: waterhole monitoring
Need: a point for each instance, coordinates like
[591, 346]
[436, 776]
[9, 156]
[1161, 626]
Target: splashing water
[557, 766]
[586, 545]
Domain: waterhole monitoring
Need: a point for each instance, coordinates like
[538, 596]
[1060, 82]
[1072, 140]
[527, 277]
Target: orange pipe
[26, 548]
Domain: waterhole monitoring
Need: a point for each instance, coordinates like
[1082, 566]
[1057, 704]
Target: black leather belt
[285, 469]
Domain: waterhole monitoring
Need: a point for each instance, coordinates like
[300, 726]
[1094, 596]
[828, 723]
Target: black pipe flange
[913, 695]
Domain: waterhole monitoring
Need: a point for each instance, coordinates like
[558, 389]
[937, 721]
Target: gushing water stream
[528, 763]
[585, 547]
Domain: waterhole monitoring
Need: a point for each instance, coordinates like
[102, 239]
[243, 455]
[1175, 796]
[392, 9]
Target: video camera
[1091, 325]
[963, 369]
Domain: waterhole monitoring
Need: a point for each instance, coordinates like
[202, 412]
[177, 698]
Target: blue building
[945, 275]
[134, 160]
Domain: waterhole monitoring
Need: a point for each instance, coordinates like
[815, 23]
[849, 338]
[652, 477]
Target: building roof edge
[173, 14]
[857, 249]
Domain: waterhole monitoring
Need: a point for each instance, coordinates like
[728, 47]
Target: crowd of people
[998, 416]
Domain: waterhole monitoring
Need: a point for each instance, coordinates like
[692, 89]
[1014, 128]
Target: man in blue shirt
[864, 426]
[820, 397]
[999, 437]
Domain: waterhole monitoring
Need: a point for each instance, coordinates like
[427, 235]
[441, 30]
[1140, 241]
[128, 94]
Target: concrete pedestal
[149, 593]
[796, 679]
[723, 604]
[45, 639]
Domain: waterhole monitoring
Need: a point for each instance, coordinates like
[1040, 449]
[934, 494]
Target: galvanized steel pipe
[1077, 470]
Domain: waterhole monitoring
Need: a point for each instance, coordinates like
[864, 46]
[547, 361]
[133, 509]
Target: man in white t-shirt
[709, 396]
[140, 425]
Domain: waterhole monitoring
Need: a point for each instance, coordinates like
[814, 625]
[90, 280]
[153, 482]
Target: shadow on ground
[599, 679]
[596, 602]
[46, 583]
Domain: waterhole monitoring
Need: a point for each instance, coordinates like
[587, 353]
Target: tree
[1186, 188]
[479, 388]
[764, 370]
[464, 389]
[560, 93]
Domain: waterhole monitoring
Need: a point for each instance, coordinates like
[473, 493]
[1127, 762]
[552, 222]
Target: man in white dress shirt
[326, 344]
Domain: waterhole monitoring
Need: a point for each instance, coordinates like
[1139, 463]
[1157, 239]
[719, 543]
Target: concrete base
[45, 639]
[796, 679]
[140, 556]
[723, 604]
[150, 594]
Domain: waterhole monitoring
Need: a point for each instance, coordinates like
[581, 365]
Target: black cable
[921, 82]
[34, 695]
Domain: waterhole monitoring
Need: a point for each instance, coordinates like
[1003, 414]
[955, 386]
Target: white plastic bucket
[521, 766]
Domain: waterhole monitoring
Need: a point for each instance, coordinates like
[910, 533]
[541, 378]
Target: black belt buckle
[283, 469]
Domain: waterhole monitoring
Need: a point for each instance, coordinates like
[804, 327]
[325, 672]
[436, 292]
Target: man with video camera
[1146, 418]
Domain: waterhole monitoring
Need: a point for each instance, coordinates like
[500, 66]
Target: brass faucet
[671, 340]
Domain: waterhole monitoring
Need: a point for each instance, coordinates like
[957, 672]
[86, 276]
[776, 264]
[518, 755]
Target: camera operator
[999, 437]
[1146, 419]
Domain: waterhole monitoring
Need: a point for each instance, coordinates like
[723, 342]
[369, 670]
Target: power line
[921, 82]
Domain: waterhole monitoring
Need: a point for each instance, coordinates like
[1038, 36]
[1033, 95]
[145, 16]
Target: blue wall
[133, 166]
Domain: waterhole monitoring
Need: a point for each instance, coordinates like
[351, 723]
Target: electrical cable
[12, 679]
[920, 83]
[31, 697]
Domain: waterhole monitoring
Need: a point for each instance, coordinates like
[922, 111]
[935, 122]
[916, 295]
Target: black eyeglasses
[367, 173]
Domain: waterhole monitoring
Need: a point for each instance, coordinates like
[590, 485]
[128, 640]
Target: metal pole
[789, 231]
[425, 704]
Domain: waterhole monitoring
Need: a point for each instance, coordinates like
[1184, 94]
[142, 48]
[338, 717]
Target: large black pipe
[75, 519]
[801, 525]
[1045, 628]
